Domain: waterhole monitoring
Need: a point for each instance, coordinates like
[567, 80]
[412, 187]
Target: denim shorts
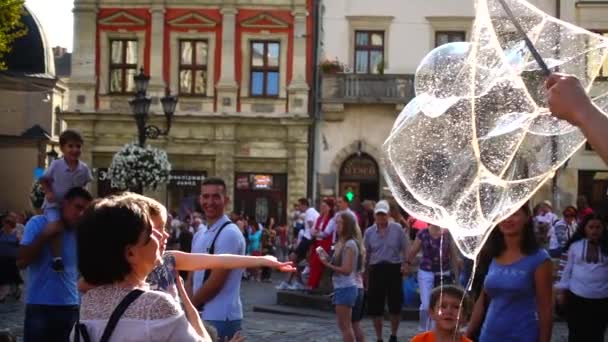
[346, 296]
[226, 329]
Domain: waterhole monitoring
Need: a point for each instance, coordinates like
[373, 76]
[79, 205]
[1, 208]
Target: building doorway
[261, 196]
[594, 186]
[360, 174]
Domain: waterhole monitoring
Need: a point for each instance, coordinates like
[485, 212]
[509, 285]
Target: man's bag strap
[212, 248]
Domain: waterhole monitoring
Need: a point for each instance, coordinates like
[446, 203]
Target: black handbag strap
[212, 249]
[118, 312]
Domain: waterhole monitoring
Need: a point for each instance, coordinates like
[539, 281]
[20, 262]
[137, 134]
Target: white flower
[133, 164]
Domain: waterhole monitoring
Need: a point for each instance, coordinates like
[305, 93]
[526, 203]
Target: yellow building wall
[16, 176]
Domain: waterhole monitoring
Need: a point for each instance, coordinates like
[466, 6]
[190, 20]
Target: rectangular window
[193, 67]
[444, 37]
[594, 58]
[264, 78]
[123, 65]
[369, 52]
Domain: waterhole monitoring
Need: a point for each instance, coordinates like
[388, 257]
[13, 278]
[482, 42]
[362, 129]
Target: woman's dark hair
[107, 227]
[580, 232]
[529, 244]
[331, 203]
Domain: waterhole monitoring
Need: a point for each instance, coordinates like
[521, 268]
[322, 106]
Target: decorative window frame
[368, 23]
[104, 55]
[174, 39]
[246, 39]
[449, 23]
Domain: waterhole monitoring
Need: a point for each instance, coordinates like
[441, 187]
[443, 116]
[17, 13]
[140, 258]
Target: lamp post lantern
[140, 106]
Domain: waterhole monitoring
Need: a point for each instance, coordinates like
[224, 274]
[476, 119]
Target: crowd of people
[92, 263]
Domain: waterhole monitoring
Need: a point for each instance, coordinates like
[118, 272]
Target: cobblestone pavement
[263, 326]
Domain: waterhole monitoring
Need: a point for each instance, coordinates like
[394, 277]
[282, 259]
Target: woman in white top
[347, 264]
[118, 246]
[164, 276]
[584, 282]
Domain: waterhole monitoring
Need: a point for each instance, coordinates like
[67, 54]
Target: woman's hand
[272, 262]
[324, 261]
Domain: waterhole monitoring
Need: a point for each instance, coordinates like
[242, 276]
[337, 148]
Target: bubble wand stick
[537, 57]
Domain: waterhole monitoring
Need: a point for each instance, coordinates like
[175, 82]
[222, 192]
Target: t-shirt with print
[162, 277]
[63, 179]
[429, 336]
[435, 251]
[45, 286]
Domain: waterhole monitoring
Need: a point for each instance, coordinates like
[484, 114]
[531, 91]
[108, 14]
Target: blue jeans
[226, 329]
[49, 322]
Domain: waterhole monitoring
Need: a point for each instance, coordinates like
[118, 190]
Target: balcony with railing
[366, 88]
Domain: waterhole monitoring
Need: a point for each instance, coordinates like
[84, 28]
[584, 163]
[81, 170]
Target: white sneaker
[297, 286]
[283, 286]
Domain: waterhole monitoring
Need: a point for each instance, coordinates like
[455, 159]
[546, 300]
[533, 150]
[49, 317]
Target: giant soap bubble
[477, 140]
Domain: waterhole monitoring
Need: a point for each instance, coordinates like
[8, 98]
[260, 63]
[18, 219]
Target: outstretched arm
[200, 261]
[568, 101]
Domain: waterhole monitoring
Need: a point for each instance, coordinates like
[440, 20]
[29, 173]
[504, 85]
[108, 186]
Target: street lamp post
[140, 106]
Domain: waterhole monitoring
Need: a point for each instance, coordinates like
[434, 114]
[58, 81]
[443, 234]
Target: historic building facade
[370, 51]
[30, 93]
[242, 71]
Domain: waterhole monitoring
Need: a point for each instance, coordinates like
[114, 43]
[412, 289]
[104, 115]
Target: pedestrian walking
[314, 262]
[584, 282]
[438, 266]
[386, 245]
[9, 245]
[347, 263]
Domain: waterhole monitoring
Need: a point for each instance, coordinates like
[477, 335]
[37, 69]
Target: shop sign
[359, 168]
[186, 178]
[242, 182]
[262, 182]
[254, 182]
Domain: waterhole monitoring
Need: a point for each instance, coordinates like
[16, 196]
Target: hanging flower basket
[135, 167]
[36, 195]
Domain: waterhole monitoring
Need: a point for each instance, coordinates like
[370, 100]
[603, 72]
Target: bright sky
[55, 16]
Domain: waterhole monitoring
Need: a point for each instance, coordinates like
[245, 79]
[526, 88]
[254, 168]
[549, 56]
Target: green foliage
[11, 26]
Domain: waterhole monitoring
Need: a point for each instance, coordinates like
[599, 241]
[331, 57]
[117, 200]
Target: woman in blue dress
[516, 299]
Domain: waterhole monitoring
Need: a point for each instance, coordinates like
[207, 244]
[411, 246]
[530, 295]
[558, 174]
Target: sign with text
[186, 178]
[359, 168]
[262, 182]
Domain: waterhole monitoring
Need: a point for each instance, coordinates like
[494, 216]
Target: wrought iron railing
[365, 88]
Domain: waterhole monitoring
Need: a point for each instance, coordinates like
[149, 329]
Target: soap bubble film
[477, 140]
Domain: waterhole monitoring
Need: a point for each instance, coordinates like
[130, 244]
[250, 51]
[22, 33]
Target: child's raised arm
[200, 261]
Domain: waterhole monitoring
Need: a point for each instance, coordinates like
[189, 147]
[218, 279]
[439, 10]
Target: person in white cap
[386, 246]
